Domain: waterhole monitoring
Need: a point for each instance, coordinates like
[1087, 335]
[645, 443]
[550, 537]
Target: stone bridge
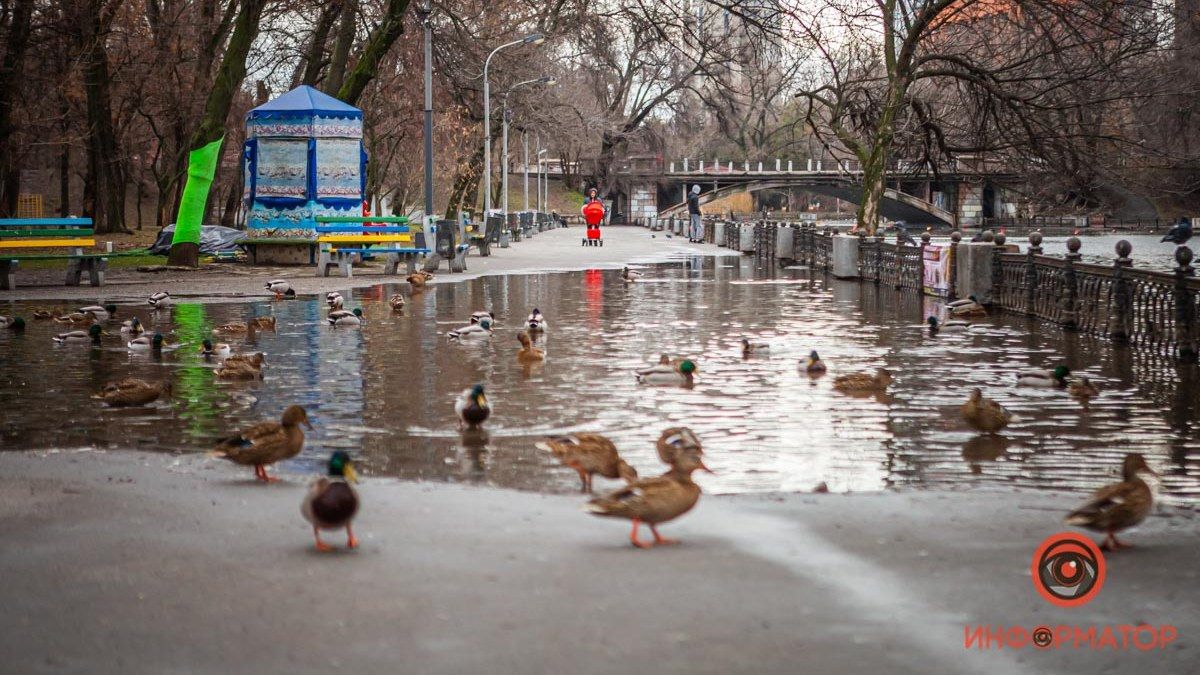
[958, 197]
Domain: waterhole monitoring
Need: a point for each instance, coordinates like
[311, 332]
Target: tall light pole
[427, 226]
[535, 39]
[525, 165]
[504, 143]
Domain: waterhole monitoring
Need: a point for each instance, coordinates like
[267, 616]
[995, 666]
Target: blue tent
[303, 158]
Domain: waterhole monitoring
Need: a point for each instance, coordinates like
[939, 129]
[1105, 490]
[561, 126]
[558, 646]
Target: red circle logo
[1068, 569]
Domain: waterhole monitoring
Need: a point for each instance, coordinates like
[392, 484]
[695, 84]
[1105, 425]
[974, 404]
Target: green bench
[72, 235]
[342, 238]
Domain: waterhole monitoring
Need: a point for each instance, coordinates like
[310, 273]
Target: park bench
[72, 235]
[342, 238]
[483, 239]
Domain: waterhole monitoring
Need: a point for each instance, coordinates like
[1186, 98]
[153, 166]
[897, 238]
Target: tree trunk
[314, 59]
[381, 40]
[466, 179]
[105, 183]
[206, 140]
[10, 78]
[229, 215]
[347, 23]
[64, 180]
[604, 162]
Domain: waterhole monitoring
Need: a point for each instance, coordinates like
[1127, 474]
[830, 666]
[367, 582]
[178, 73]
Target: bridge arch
[896, 205]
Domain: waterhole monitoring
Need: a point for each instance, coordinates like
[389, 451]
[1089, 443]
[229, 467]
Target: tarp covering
[213, 239]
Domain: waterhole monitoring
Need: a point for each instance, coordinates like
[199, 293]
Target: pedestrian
[593, 196]
[696, 232]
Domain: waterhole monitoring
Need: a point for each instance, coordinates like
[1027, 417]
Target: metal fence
[1156, 310]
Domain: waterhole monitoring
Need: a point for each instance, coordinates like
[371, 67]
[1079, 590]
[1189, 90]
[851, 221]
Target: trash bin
[447, 231]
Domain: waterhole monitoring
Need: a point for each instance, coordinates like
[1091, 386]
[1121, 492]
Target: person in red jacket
[593, 196]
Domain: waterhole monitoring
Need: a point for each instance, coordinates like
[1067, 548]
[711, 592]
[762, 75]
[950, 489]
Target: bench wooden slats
[364, 238]
[361, 219]
[418, 251]
[47, 243]
[58, 232]
[370, 230]
[40, 222]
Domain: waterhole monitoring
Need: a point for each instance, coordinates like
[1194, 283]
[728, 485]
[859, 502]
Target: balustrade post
[952, 293]
[1120, 316]
[997, 242]
[1185, 306]
[1070, 315]
[1031, 271]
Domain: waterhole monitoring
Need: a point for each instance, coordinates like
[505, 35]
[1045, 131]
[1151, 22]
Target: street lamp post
[535, 39]
[550, 81]
[525, 165]
[427, 226]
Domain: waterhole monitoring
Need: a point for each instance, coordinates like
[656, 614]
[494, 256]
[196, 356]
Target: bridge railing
[776, 165]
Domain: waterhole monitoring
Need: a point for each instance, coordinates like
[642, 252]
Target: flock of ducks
[331, 502]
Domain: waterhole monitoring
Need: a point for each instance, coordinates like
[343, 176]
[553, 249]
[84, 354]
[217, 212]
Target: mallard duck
[1044, 378]
[951, 326]
[220, 349]
[266, 442]
[238, 370]
[528, 353]
[864, 382]
[813, 365]
[1119, 506]
[75, 318]
[254, 360]
[984, 414]
[133, 327]
[675, 441]
[144, 343]
[417, 280]
[13, 323]
[232, 328]
[331, 502]
[351, 318]
[475, 331]
[132, 391]
[968, 307]
[653, 501]
[630, 276]
[281, 288]
[98, 312]
[91, 335]
[42, 315]
[682, 375]
[397, 302]
[1083, 388]
[476, 317]
[751, 348]
[536, 323]
[334, 300]
[159, 299]
[472, 407]
[263, 323]
[589, 454]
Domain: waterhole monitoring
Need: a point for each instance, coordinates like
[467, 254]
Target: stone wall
[643, 203]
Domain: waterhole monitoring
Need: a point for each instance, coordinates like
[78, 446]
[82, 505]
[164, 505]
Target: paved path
[551, 250]
[139, 563]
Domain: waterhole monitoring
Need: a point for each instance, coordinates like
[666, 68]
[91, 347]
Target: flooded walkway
[386, 390]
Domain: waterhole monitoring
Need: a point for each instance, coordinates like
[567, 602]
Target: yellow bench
[74, 234]
[340, 239]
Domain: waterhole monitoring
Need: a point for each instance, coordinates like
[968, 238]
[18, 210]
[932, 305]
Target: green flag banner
[202, 167]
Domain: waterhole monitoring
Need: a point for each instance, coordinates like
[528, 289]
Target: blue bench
[341, 239]
[71, 234]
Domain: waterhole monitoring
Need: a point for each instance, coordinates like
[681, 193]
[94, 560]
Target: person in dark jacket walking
[696, 231]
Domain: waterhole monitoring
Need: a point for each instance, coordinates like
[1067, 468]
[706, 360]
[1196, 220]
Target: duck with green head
[143, 343]
[91, 335]
[472, 407]
[331, 501]
[682, 375]
[209, 350]
[813, 365]
[1044, 378]
[351, 318]
[16, 324]
[951, 326]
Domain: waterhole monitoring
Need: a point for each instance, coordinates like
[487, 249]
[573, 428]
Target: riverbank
[553, 250]
[147, 563]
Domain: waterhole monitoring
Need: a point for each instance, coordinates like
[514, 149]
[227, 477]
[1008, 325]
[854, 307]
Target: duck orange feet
[351, 540]
[321, 546]
[633, 536]
[658, 539]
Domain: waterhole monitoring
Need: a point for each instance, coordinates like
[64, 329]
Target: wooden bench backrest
[46, 232]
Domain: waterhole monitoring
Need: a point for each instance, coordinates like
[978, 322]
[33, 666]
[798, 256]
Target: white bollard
[783, 243]
[845, 256]
[746, 239]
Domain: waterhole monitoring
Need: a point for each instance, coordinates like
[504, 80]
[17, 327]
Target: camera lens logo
[1068, 569]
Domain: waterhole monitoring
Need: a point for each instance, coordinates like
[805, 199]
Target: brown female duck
[677, 440]
[589, 454]
[654, 500]
[864, 383]
[984, 414]
[266, 442]
[1118, 506]
[528, 353]
[133, 391]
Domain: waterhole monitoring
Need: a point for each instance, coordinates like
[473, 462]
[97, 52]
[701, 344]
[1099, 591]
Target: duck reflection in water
[984, 448]
[474, 441]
